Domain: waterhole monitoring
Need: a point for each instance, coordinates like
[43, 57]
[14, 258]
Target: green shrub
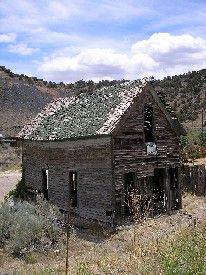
[5, 223]
[27, 227]
[186, 254]
[19, 191]
[202, 138]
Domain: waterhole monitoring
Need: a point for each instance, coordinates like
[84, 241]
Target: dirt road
[8, 180]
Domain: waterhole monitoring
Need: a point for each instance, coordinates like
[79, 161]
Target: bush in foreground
[27, 227]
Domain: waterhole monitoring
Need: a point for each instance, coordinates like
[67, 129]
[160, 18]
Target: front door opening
[158, 190]
[73, 188]
[129, 186]
[45, 185]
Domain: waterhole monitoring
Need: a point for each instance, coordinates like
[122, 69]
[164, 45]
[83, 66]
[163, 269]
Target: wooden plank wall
[129, 153]
[194, 179]
[91, 161]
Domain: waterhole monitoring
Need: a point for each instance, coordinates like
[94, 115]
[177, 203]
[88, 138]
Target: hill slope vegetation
[22, 97]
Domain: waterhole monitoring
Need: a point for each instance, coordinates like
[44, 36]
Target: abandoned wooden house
[89, 153]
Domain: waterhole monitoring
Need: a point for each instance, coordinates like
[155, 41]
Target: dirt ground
[8, 180]
[201, 161]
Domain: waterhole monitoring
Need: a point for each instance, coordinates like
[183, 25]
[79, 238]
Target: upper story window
[149, 130]
[148, 124]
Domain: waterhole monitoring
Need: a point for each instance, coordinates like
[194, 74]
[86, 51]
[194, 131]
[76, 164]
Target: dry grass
[200, 161]
[10, 158]
[165, 245]
[8, 181]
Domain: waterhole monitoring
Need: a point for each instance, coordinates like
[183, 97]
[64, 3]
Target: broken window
[148, 124]
[45, 185]
[73, 188]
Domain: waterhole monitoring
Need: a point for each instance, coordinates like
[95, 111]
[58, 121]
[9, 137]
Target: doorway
[159, 190]
[129, 187]
[173, 175]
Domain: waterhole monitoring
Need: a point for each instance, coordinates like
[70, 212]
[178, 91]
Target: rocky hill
[185, 95]
[22, 97]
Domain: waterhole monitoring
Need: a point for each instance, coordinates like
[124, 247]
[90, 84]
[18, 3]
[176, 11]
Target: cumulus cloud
[160, 55]
[21, 49]
[164, 43]
[6, 38]
[89, 64]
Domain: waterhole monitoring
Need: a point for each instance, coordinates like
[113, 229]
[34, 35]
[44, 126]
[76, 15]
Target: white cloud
[60, 10]
[21, 49]
[107, 10]
[45, 36]
[6, 38]
[89, 64]
[22, 16]
[163, 43]
[102, 57]
[160, 55]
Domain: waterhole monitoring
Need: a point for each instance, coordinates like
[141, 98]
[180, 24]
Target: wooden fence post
[194, 180]
[201, 181]
[188, 179]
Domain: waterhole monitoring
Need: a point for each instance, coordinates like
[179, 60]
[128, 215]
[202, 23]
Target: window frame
[73, 192]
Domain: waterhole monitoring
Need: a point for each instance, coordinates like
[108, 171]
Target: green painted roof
[87, 114]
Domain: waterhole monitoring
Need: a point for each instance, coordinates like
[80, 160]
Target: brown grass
[10, 158]
[118, 254]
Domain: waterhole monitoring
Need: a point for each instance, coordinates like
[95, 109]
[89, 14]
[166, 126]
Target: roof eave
[68, 139]
[174, 122]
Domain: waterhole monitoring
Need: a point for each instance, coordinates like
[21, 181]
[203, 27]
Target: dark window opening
[45, 185]
[73, 188]
[109, 213]
[148, 124]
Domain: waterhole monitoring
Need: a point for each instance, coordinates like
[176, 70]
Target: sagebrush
[26, 227]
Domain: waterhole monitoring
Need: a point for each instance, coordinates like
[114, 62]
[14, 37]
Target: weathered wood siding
[91, 159]
[129, 149]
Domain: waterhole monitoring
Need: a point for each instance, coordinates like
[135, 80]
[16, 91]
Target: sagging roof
[84, 115]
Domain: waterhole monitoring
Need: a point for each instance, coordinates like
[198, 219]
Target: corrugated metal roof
[87, 114]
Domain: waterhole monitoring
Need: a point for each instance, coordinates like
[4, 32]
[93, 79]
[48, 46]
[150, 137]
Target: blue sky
[85, 39]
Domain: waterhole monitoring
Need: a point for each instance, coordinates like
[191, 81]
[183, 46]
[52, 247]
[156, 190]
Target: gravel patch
[8, 180]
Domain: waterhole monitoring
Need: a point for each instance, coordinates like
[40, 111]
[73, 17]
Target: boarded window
[148, 123]
[45, 183]
[73, 188]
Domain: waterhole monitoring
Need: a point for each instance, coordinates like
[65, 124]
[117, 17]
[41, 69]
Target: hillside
[186, 96]
[22, 97]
